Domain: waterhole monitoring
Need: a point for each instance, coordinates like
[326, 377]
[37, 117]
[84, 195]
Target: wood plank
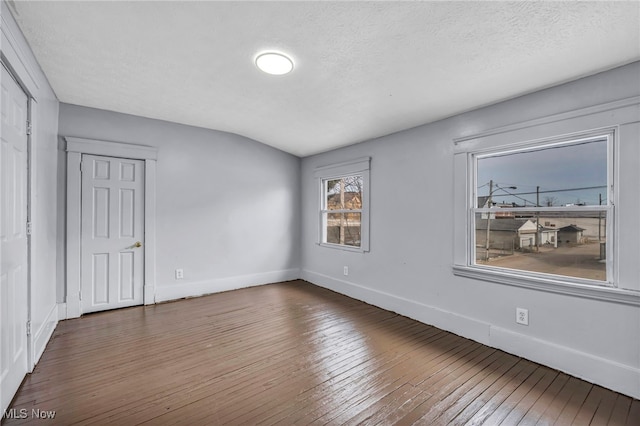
[536, 411]
[293, 353]
[620, 410]
[634, 414]
[531, 397]
[578, 394]
[449, 407]
[466, 413]
[603, 412]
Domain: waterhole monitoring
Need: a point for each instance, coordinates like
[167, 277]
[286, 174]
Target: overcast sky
[561, 168]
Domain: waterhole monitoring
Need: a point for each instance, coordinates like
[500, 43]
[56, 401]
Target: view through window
[545, 209]
[342, 210]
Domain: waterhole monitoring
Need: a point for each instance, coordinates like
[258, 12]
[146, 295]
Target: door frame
[76, 147]
[30, 176]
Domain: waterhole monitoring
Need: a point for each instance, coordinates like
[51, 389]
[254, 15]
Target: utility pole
[599, 218]
[537, 219]
[342, 221]
[489, 218]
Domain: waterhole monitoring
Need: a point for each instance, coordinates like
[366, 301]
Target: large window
[545, 209]
[344, 205]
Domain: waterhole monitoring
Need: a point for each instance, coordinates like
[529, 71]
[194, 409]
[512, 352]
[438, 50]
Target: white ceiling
[363, 69]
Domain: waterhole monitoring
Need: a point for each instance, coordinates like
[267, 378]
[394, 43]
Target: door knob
[137, 244]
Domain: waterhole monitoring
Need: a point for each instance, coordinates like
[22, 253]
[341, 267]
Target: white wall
[44, 116]
[227, 206]
[228, 214]
[409, 267]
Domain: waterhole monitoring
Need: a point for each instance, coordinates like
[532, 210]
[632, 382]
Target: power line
[511, 194]
[557, 190]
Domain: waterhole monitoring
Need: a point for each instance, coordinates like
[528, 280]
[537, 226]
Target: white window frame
[607, 136]
[356, 167]
[620, 118]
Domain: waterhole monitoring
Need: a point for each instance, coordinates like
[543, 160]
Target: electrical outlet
[346, 270]
[179, 274]
[522, 316]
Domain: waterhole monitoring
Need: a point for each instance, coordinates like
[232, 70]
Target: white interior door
[112, 239]
[13, 234]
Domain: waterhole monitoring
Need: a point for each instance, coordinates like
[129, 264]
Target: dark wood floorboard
[293, 353]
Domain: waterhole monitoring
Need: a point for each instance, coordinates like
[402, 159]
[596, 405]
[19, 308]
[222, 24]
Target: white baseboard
[200, 288]
[612, 375]
[43, 334]
[609, 374]
[454, 323]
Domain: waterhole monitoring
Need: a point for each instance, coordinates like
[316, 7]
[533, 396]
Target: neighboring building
[483, 201]
[548, 236]
[352, 200]
[514, 234]
[571, 234]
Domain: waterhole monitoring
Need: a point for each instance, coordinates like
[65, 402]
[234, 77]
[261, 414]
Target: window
[509, 181]
[344, 205]
[342, 210]
[545, 209]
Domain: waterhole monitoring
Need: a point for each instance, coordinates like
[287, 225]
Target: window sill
[345, 248]
[597, 292]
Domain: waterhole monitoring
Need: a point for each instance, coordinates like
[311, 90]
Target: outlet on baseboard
[346, 270]
[522, 316]
[179, 274]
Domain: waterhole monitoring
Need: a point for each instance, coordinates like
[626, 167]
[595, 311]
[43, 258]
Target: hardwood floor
[294, 353]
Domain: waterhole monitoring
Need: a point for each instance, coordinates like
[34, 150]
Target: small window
[344, 205]
[545, 209]
[342, 210]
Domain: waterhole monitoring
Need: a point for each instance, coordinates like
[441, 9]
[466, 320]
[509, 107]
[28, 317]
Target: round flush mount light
[274, 63]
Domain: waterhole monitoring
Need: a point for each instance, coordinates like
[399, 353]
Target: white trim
[594, 369]
[62, 311]
[586, 123]
[111, 149]
[32, 202]
[550, 285]
[358, 166]
[150, 232]
[74, 180]
[530, 278]
[344, 168]
[445, 320]
[542, 210]
[200, 288]
[610, 374]
[75, 148]
[634, 100]
[344, 247]
[42, 336]
[15, 55]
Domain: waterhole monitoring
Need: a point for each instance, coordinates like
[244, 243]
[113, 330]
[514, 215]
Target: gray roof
[571, 228]
[501, 224]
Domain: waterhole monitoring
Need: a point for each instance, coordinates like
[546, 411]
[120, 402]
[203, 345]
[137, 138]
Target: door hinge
[29, 328]
[80, 295]
[28, 127]
[29, 228]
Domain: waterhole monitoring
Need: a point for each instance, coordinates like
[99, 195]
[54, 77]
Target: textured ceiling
[363, 69]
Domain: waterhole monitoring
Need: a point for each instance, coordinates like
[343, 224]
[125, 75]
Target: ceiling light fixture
[274, 63]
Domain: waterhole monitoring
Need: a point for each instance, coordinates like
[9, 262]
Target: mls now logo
[15, 414]
[23, 413]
